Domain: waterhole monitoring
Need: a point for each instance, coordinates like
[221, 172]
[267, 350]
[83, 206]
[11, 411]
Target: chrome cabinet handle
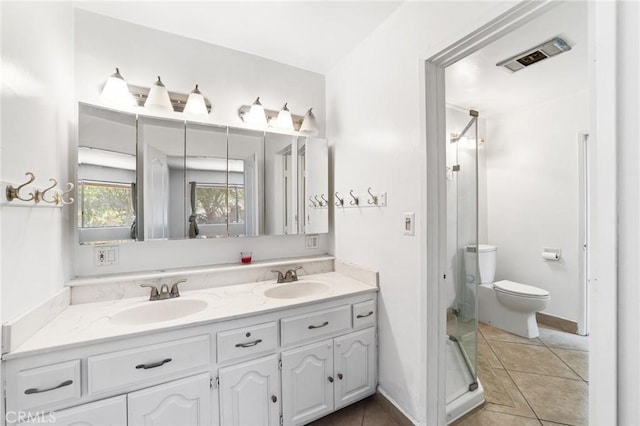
[153, 365]
[365, 315]
[248, 344]
[36, 390]
[324, 324]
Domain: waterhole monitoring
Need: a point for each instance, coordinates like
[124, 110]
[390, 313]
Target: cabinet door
[355, 366]
[307, 382]
[250, 393]
[108, 412]
[185, 402]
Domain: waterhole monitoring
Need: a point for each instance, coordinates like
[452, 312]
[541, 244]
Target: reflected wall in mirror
[281, 216]
[313, 158]
[245, 156]
[106, 190]
[161, 196]
[207, 177]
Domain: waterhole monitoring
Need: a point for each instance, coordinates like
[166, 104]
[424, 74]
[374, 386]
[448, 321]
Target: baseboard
[557, 322]
[392, 409]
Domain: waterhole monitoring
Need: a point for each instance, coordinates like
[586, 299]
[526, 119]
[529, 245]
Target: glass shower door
[462, 322]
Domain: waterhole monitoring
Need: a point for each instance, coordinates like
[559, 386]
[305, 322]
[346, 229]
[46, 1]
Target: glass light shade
[256, 115]
[284, 120]
[309, 126]
[116, 91]
[158, 98]
[195, 104]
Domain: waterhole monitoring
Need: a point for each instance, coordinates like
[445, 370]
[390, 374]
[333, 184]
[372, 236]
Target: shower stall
[463, 389]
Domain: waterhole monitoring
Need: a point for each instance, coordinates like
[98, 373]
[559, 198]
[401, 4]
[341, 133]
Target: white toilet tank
[487, 263]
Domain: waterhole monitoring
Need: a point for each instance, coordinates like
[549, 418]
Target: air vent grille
[539, 53]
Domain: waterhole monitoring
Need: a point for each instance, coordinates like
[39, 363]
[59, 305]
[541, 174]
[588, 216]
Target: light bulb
[256, 115]
[309, 126]
[284, 120]
[116, 91]
[195, 104]
[158, 98]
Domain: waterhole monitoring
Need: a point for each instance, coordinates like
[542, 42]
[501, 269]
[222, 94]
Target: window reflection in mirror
[206, 180]
[161, 162]
[281, 216]
[106, 175]
[246, 182]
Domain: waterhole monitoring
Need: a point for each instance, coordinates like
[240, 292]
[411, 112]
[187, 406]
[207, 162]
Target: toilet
[505, 304]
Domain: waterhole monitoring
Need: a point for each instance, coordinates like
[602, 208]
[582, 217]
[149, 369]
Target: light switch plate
[409, 223]
[106, 255]
[311, 241]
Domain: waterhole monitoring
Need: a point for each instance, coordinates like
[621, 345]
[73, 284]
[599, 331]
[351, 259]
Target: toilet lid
[507, 286]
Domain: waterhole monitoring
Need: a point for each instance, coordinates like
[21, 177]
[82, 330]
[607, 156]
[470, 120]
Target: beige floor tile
[560, 339]
[554, 399]
[485, 351]
[546, 423]
[494, 391]
[531, 359]
[519, 405]
[577, 360]
[492, 333]
[492, 418]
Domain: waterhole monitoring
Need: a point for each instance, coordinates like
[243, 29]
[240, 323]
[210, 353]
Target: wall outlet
[409, 222]
[106, 255]
[311, 241]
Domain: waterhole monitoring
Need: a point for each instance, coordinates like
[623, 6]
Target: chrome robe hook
[355, 200]
[340, 201]
[13, 193]
[373, 199]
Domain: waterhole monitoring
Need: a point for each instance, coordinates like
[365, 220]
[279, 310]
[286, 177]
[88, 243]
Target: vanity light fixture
[116, 91]
[284, 120]
[309, 126]
[256, 115]
[158, 98]
[196, 104]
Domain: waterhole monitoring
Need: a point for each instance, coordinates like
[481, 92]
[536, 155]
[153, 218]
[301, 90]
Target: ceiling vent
[539, 53]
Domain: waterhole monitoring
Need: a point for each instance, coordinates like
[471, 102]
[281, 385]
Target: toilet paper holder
[551, 254]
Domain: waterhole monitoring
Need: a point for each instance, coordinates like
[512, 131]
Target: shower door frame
[603, 396]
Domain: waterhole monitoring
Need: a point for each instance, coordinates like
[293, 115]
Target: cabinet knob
[274, 398]
[330, 379]
[340, 376]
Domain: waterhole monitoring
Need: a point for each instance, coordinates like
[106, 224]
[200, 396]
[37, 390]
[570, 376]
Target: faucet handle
[154, 291]
[280, 275]
[174, 288]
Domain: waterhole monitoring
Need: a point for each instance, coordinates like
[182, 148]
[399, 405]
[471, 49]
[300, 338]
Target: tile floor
[540, 381]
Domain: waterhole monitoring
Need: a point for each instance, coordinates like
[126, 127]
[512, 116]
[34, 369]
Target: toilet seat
[521, 290]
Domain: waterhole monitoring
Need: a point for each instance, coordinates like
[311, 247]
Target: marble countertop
[92, 322]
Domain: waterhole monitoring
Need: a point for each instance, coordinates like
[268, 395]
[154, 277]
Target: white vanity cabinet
[250, 393]
[185, 402]
[326, 376]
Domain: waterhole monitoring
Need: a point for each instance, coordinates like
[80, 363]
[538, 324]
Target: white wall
[374, 124]
[37, 57]
[533, 196]
[628, 127]
[228, 79]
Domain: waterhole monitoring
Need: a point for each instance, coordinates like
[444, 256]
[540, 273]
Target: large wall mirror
[146, 178]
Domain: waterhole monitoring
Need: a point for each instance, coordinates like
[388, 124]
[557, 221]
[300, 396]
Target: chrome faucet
[288, 277]
[164, 292]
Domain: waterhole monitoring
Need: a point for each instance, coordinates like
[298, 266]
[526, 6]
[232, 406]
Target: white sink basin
[158, 311]
[297, 289]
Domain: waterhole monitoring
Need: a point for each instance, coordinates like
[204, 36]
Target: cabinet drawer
[315, 325]
[364, 314]
[247, 341]
[118, 369]
[48, 385]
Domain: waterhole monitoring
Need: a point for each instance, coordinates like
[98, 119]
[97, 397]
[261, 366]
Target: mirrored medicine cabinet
[144, 178]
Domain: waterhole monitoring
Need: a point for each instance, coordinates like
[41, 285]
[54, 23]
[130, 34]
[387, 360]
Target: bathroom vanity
[245, 354]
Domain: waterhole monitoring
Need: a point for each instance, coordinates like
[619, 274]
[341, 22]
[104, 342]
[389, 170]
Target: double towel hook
[339, 201]
[356, 200]
[13, 193]
[373, 199]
